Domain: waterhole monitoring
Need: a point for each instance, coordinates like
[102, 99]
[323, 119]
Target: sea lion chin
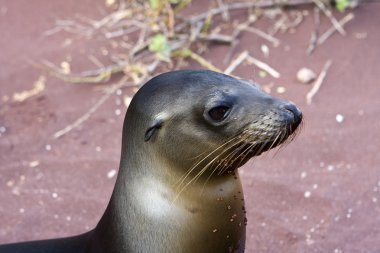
[185, 134]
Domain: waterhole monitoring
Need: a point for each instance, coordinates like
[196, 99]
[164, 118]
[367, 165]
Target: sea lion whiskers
[237, 137]
[256, 142]
[194, 179]
[189, 171]
[238, 155]
[234, 155]
[223, 161]
[243, 154]
[262, 143]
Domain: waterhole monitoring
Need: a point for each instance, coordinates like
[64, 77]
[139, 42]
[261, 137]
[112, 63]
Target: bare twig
[315, 33]
[120, 32]
[262, 34]
[240, 6]
[236, 39]
[262, 65]
[329, 32]
[328, 14]
[219, 38]
[225, 14]
[103, 73]
[235, 63]
[140, 44]
[203, 62]
[318, 82]
[91, 111]
[231, 50]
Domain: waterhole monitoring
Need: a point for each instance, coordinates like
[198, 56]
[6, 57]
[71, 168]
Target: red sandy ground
[319, 194]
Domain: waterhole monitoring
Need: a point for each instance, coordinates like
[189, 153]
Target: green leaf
[186, 52]
[160, 45]
[342, 5]
[155, 4]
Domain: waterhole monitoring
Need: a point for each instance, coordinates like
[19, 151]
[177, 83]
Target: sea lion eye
[219, 113]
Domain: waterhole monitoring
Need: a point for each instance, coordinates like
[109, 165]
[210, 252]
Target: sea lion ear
[156, 124]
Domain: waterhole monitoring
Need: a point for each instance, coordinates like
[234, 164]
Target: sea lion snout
[294, 115]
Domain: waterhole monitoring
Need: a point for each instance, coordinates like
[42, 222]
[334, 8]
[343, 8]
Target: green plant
[342, 5]
[159, 44]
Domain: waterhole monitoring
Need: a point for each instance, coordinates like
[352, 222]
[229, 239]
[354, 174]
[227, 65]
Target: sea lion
[184, 136]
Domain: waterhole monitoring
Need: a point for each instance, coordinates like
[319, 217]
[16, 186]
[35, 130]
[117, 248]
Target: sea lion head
[208, 121]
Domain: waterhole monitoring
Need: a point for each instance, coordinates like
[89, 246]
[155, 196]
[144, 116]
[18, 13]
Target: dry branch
[318, 83]
[235, 63]
[329, 15]
[239, 6]
[91, 111]
[329, 32]
[263, 35]
[262, 65]
[315, 33]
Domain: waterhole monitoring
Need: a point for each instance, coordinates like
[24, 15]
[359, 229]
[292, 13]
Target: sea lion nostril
[291, 108]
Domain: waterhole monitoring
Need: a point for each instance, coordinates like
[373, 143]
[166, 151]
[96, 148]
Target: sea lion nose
[291, 109]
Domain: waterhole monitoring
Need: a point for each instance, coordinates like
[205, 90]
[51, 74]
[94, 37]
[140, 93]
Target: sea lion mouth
[253, 144]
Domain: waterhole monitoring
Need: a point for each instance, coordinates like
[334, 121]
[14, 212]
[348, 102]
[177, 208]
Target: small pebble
[305, 75]
[303, 174]
[54, 195]
[280, 90]
[263, 74]
[104, 51]
[34, 164]
[2, 129]
[48, 147]
[65, 67]
[361, 36]
[339, 118]
[117, 112]
[22, 210]
[98, 149]
[111, 174]
[265, 50]
[307, 194]
[330, 168]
